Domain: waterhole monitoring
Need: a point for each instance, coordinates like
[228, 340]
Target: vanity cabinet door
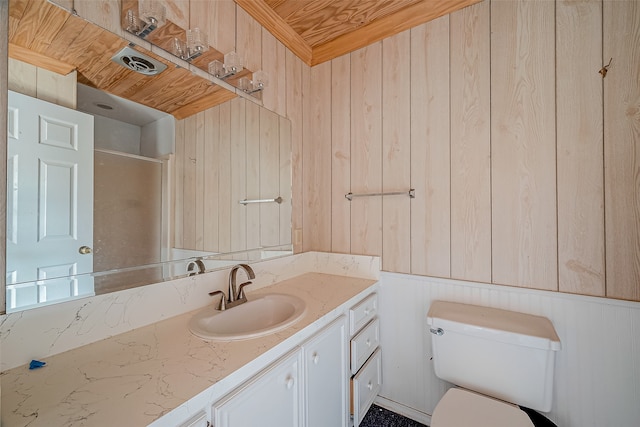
[326, 377]
[272, 398]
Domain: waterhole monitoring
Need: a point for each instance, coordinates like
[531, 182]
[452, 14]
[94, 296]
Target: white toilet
[500, 359]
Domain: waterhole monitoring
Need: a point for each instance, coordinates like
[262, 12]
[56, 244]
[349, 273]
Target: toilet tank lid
[494, 323]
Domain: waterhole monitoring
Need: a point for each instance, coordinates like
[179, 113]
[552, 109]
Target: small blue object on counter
[35, 364]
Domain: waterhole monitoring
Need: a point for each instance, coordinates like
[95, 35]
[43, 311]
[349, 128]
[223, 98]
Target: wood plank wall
[43, 84]
[230, 28]
[524, 159]
[231, 152]
[517, 147]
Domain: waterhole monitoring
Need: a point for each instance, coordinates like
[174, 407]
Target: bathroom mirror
[216, 187]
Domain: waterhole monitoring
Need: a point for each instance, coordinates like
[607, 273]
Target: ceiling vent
[138, 62]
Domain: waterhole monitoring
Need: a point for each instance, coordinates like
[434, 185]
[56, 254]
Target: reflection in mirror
[159, 192]
[146, 19]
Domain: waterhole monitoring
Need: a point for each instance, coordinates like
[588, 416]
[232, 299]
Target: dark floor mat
[380, 417]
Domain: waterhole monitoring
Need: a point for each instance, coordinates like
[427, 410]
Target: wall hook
[605, 69]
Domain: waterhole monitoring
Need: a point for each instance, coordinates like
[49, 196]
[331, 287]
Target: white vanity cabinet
[271, 398]
[306, 387]
[326, 377]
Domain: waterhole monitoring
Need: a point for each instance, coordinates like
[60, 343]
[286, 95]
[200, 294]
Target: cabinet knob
[316, 358]
[367, 311]
[368, 342]
[370, 385]
[289, 383]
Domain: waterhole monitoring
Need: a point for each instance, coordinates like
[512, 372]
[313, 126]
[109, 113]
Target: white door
[49, 202]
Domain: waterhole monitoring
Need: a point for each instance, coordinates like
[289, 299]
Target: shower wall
[127, 213]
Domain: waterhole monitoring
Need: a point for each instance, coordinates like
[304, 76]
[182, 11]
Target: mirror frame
[4, 93]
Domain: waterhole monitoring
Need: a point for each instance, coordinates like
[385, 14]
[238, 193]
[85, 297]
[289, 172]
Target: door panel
[49, 200]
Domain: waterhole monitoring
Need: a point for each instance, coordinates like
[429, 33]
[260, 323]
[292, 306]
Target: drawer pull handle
[367, 311]
[368, 342]
[315, 358]
[370, 385]
[289, 383]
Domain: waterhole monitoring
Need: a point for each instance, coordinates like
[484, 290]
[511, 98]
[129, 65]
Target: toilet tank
[499, 353]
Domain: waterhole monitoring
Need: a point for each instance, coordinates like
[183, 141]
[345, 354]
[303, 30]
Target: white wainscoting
[597, 380]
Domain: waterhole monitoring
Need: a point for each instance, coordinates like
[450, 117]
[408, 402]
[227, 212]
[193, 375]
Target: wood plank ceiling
[320, 30]
[50, 37]
[315, 30]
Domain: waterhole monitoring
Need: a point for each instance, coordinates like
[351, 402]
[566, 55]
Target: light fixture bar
[151, 15]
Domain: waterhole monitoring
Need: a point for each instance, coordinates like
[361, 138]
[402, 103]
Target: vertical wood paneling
[190, 193]
[430, 142]
[57, 89]
[105, 13]
[622, 147]
[217, 18]
[317, 160]
[238, 175]
[471, 143]
[294, 96]
[200, 187]
[269, 177]
[284, 128]
[580, 147]
[396, 152]
[340, 154]
[273, 62]
[524, 230]
[23, 77]
[224, 185]
[178, 187]
[177, 11]
[42, 84]
[252, 129]
[248, 39]
[366, 149]
[211, 178]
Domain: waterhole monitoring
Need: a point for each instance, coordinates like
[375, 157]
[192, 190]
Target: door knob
[84, 250]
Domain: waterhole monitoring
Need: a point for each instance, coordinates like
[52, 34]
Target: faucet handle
[191, 266]
[241, 294]
[223, 301]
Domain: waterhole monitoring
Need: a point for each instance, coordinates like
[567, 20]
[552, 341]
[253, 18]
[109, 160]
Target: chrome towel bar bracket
[277, 200]
[411, 193]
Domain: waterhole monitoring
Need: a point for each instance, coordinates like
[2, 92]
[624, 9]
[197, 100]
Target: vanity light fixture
[151, 15]
[259, 82]
[195, 45]
[232, 66]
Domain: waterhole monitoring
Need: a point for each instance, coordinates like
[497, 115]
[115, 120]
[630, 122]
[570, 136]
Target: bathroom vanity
[162, 375]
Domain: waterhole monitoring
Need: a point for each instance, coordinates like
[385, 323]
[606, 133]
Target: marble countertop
[139, 376]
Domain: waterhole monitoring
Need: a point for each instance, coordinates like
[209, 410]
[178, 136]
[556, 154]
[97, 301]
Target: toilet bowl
[502, 362]
[464, 408]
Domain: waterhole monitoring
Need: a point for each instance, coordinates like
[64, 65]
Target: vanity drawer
[364, 344]
[362, 313]
[365, 386]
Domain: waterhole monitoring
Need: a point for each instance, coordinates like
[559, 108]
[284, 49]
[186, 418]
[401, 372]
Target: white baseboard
[403, 410]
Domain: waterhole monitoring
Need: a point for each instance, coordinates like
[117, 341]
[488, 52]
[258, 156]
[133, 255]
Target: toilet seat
[464, 408]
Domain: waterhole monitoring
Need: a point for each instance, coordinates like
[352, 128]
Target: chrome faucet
[191, 267]
[237, 296]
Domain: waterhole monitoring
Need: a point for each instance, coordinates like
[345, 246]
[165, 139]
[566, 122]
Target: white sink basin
[255, 318]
